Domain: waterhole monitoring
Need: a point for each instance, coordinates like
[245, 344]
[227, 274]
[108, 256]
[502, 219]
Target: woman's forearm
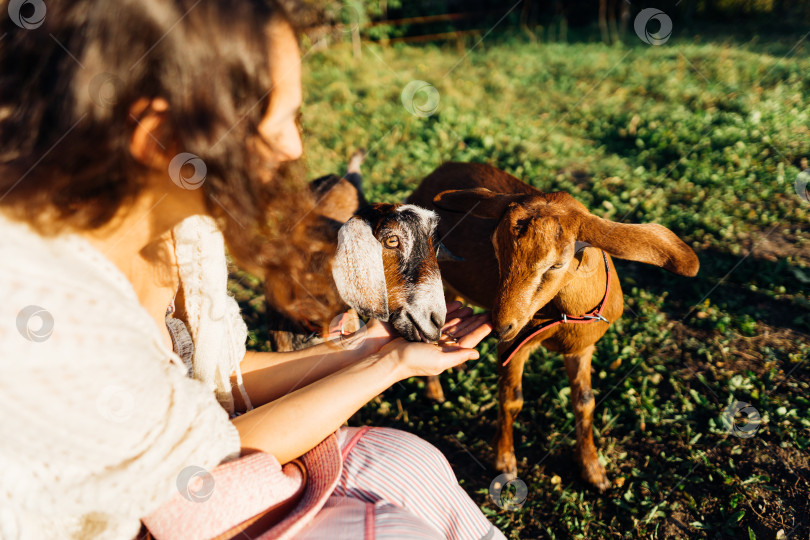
[293, 424]
[349, 348]
[268, 376]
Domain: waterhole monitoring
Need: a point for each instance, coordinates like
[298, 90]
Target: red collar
[594, 315]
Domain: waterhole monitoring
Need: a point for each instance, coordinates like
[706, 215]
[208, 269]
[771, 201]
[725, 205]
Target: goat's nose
[506, 329]
[437, 319]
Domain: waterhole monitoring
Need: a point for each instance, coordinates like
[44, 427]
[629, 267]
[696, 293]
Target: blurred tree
[608, 9]
[331, 20]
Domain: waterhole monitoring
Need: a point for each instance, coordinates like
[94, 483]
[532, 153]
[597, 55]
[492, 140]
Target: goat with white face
[386, 268]
[395, 283]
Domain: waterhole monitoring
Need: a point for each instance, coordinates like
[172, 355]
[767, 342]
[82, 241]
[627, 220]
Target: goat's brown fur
[509, 235]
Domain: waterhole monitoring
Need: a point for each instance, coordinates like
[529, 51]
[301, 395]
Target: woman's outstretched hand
[466, 329]
[462, 331]
[461, 326]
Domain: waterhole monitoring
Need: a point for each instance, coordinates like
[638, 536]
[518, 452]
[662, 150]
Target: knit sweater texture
[98, 418]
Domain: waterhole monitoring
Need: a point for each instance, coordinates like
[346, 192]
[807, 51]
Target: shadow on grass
[740, 287]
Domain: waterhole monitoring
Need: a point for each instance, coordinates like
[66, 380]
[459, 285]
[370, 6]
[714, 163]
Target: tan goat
[540, 262]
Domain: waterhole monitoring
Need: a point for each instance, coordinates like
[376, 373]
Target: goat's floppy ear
[648, 243]
[480, 202]
[358, 270]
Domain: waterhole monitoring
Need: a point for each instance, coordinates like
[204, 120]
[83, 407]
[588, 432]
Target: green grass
[705, 138]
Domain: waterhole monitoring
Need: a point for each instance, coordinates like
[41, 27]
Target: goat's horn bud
[444, 254]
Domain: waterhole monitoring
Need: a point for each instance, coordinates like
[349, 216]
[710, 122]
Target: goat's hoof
[594, 474]
[506, 463]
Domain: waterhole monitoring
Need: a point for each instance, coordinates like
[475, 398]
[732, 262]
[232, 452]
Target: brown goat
[539, 262]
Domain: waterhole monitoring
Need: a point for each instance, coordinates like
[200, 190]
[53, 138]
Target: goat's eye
[392, 241]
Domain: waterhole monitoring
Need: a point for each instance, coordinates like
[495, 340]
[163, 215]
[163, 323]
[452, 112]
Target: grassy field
[705, 136]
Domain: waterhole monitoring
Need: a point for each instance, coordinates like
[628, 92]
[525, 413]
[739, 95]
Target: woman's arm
[295, 423]
[268, 376]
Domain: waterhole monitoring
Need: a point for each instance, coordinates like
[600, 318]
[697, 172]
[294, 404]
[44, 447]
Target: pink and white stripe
[395, 485]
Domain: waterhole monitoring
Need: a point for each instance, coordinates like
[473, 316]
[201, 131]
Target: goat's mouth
[509, 334]
[418, 329]
[510, 330]
[411, 330]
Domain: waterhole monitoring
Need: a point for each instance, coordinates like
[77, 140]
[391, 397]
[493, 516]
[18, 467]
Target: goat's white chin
[423, 338]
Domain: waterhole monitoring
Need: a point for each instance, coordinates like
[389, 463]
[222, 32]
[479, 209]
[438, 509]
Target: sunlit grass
[705, 139]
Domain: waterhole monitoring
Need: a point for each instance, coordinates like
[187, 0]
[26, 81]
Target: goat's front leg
[510, 402]
[578, 367]
[433, 389]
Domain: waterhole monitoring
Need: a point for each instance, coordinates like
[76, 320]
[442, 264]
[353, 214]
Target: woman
[100, 420]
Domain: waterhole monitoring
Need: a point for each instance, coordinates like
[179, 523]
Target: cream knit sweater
[97, 416]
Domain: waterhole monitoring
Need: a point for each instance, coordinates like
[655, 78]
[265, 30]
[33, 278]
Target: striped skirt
[395, 485]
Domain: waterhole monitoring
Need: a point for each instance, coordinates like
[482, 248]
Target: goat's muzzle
[415, 324]
[508, 331]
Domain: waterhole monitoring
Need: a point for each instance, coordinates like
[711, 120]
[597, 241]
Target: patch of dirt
[742, 353]
[793, 245]
[782, 502]
[580, 177]
[779, 503]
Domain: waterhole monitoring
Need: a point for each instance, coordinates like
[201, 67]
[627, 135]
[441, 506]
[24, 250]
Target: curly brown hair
[66, 91]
